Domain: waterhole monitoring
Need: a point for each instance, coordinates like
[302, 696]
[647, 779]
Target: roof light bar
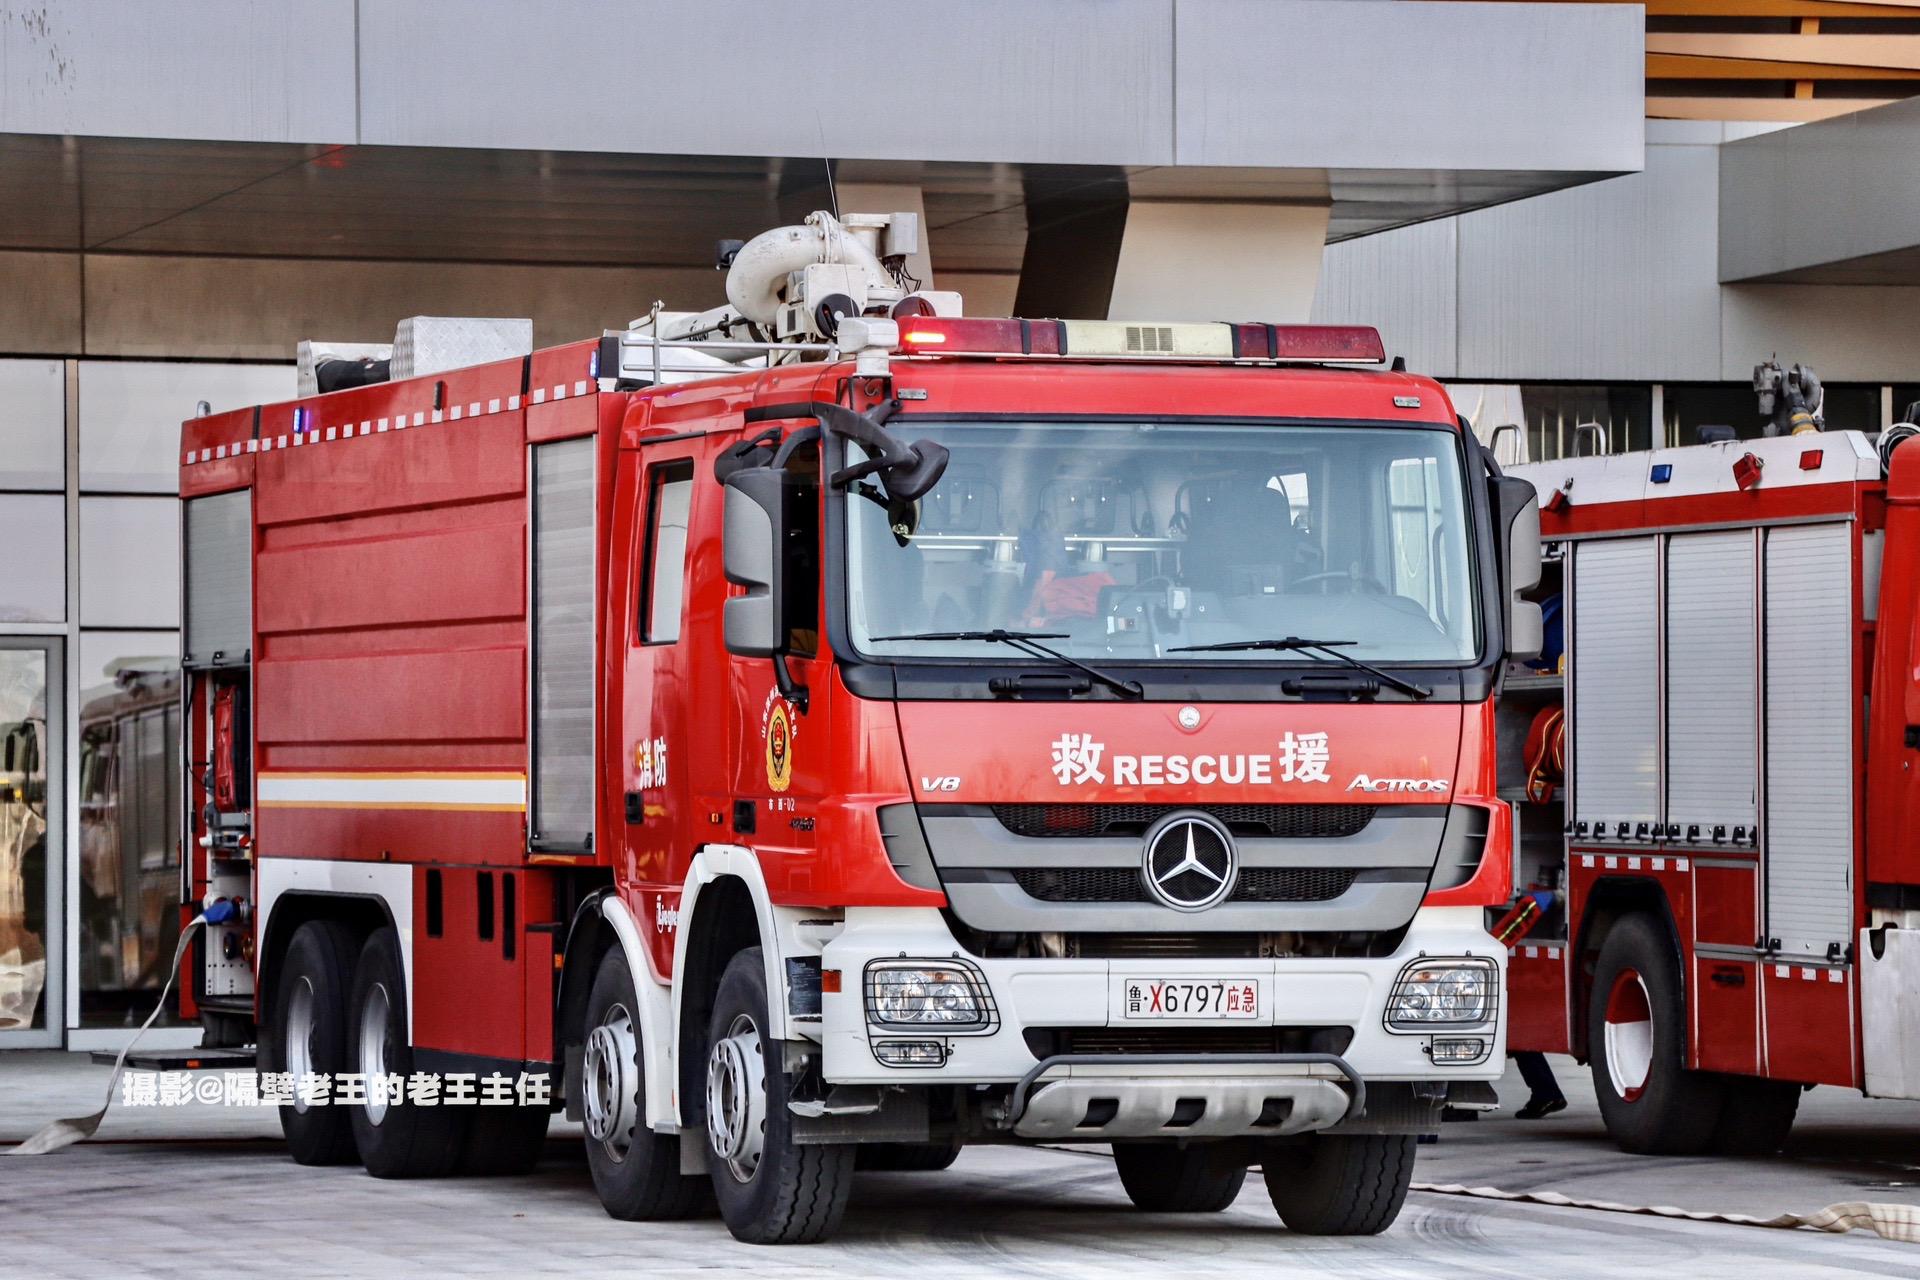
[1123, 340]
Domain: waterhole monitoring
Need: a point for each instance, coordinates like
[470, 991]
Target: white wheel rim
[376, 1048]
[737, 1099]
[1629, 1035]
[611, 1079]
[296, 1047]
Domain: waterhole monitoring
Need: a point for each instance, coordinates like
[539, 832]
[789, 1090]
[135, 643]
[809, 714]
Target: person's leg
[1546, 1097]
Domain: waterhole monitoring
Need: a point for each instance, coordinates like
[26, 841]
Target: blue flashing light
[1662, 472]
[593, 363]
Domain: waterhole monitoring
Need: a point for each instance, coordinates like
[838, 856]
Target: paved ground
[162, 1192]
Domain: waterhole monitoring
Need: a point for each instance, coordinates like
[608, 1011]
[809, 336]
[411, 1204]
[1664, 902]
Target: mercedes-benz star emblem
[1189, 718]
[1190, 863]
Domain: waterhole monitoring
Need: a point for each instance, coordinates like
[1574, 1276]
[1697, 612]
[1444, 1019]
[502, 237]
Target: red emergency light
[1128, 340]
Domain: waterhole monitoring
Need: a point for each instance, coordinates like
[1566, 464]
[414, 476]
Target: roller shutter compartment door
[1713, 753]
[1612, 668]
[1808, 832]
[563, 644]
[219, 571]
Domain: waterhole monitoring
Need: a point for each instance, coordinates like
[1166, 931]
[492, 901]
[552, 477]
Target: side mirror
[755, 519]
[1518, 511]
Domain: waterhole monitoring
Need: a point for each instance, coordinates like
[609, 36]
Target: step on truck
[827, 730]
[1730, 871]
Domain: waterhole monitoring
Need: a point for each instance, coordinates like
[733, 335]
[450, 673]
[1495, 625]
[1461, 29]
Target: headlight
[927, 995]
[1442, 993]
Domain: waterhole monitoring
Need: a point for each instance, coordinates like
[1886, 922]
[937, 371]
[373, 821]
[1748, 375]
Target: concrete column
[1190, 261]
[1109, 259]
[889, 197]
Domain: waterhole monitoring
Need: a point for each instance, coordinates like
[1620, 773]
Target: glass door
[32, 800]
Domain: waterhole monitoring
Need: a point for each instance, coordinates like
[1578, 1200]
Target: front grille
[1044, 1042]
[1124, 884]
[1283, 821]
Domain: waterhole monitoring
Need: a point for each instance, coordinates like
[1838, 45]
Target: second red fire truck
[1735, 878]
[828, 730]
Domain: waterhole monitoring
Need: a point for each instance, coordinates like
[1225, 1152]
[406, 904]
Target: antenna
[826, 159]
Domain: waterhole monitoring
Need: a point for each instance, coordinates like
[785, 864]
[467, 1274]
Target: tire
[905, 1157]
[1162, 1178]
[1339, 1184]
[1636, 1046]
[635, 1170]
[504, 1140]
[771, 1189]
[307, 1032]
[1755, 1116]
[396, 1138]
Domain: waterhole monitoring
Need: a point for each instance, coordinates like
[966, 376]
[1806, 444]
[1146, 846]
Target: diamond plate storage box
[434, 344]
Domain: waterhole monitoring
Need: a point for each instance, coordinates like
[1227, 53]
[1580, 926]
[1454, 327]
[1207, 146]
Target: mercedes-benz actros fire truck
[827, 730]
[1730, 873]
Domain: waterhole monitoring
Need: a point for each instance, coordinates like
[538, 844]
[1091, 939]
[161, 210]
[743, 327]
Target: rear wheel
[1348, 1184]
[307, 1035]
[1161, 1178]
[771, 1189]
[905, 1157]
[1636, 1042]
[396, 1138]
[1756, 1116]
[635, 1170]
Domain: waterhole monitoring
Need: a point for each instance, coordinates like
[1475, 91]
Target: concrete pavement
[146, 1200]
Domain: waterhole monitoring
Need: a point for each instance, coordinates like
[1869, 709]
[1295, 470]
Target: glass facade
[89, 623]
[1535, 422]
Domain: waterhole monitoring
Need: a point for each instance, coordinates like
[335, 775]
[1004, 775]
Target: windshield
[1129, 539]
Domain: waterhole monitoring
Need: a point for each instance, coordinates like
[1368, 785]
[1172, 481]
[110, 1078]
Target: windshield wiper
[1324, 648]
[1028, 642]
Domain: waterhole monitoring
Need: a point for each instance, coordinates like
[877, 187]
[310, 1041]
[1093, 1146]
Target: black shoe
[1541, 1108]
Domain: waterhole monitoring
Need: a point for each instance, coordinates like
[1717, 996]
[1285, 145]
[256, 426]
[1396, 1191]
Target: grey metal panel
[234, 69]
[1712, 723]
[1808, 832]
[1005, 80]
[1614, 280]
[1848, 333]
[1352, 84]
[1851, 179]
[1611, 673]
[563, 641]
[219, 569]
[1403, 283]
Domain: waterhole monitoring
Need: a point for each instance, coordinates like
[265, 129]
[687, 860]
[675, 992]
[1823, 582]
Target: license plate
[1150, 998]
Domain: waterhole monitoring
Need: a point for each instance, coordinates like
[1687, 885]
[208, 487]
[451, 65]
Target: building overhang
[1829, 203]
[597, 131]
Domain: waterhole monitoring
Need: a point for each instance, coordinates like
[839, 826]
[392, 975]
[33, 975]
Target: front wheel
[1348, 1184]
[1636, 1045]
[1159, 1178]
[771, 1189]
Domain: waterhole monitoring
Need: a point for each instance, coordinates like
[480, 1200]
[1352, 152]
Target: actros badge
[1190, 863]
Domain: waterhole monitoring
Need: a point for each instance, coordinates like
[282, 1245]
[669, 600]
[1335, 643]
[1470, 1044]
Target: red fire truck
[1733, 859]
[827, 730]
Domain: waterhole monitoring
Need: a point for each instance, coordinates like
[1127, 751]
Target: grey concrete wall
[1614, 281]
[1360, 84]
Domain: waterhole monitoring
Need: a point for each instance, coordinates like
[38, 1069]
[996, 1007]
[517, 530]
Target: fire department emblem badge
[776, 728]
